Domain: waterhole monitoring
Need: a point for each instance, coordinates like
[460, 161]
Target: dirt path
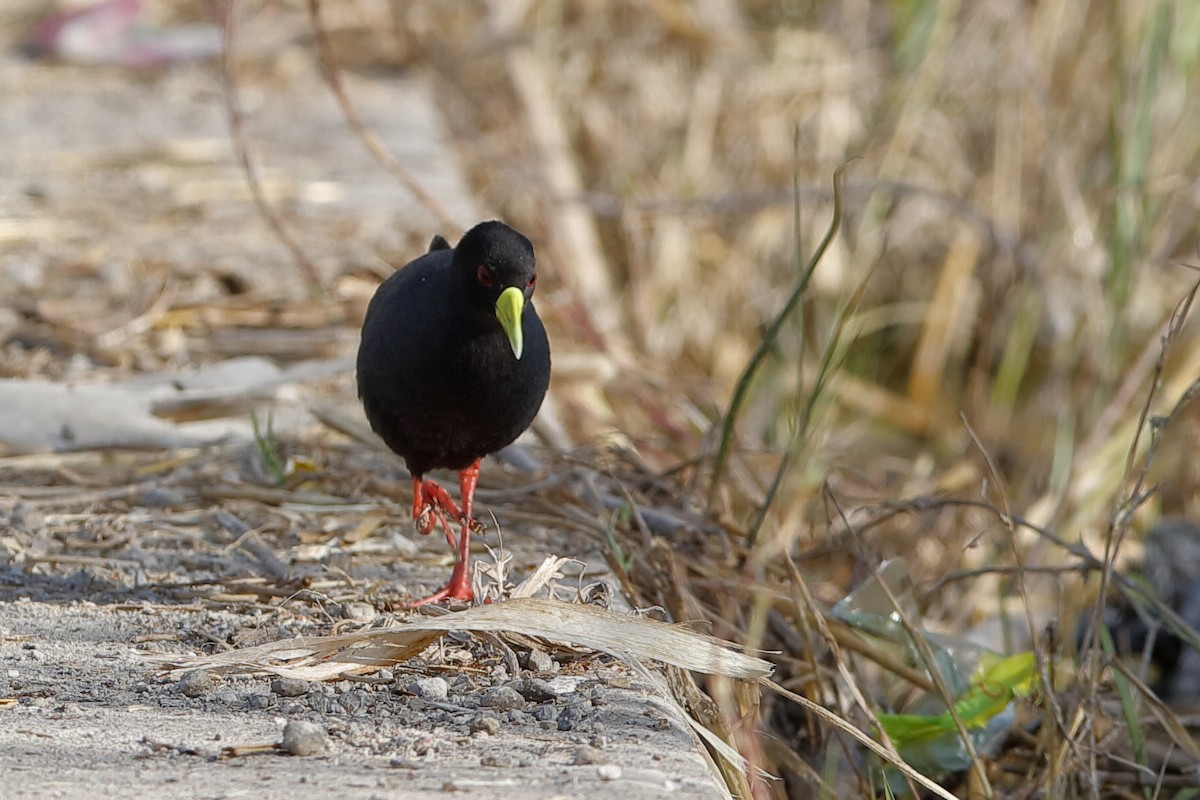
[131, 248]
[90, 718]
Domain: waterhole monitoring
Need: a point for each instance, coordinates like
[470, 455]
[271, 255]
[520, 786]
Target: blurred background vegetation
[1019, 227]
[1020, 219]
[991, 324]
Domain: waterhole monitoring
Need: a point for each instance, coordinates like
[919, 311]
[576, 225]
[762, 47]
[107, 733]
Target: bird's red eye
[532, 281]
[483, 275]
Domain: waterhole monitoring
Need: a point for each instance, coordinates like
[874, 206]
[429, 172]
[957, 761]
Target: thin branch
[226, 16]
[333, 76]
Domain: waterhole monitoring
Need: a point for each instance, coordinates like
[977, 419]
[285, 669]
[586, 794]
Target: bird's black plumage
[441, 380]
[436, 374]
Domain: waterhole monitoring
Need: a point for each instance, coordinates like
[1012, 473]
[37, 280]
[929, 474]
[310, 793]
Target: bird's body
[453, 365]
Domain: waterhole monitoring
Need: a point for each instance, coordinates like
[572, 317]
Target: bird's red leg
[459, 585]
[431, 503]
[467, 478]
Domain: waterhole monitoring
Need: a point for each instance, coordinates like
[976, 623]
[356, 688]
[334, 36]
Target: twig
[333, 76]
[241, 146]
[767, 344]
[575, 232]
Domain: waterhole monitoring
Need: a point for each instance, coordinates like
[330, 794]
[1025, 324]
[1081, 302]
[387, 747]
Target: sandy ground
[89, 717]
[119, 192]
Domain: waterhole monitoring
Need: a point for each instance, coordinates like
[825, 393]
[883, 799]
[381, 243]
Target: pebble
[363, 612]
[258, 702]
[496, 760]
[545, 713]
[195, 683]
[485, 724]
[608, 772]
[565, 684]
[540, 661]
[534, 689]
[302, 738]
[430, 688]
[355, 701]
[502, 698]
[570, 717]
[588, 755]
[289, 687]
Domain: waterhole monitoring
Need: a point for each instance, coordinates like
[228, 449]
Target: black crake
[442, 381]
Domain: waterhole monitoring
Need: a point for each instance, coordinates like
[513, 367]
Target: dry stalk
[227, 19]
[333, 76]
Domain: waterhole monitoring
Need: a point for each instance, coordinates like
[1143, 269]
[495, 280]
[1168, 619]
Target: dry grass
[985, 327]
[969, 382]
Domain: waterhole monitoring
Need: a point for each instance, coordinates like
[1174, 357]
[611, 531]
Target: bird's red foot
[431, 504]
[458, 588]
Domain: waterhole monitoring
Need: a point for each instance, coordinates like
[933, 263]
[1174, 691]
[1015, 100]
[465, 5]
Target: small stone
[302, 738]
[485, 724]
[545, 713]
[608, 772]
[356, 701]
[535, 690]
[363, 612]
[570, 717]
[585, 754]
[565, 684]
[517, 717]
[540, 661]
[289, 687]
[502, 698]
[258, 702]
[430, 688]
[195, 683]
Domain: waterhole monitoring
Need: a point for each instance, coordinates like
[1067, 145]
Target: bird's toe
[425, 520]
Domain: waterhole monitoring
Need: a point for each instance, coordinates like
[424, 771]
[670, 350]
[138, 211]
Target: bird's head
[497, 268]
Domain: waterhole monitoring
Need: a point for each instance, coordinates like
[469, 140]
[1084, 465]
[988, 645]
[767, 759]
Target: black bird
[453, 365]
